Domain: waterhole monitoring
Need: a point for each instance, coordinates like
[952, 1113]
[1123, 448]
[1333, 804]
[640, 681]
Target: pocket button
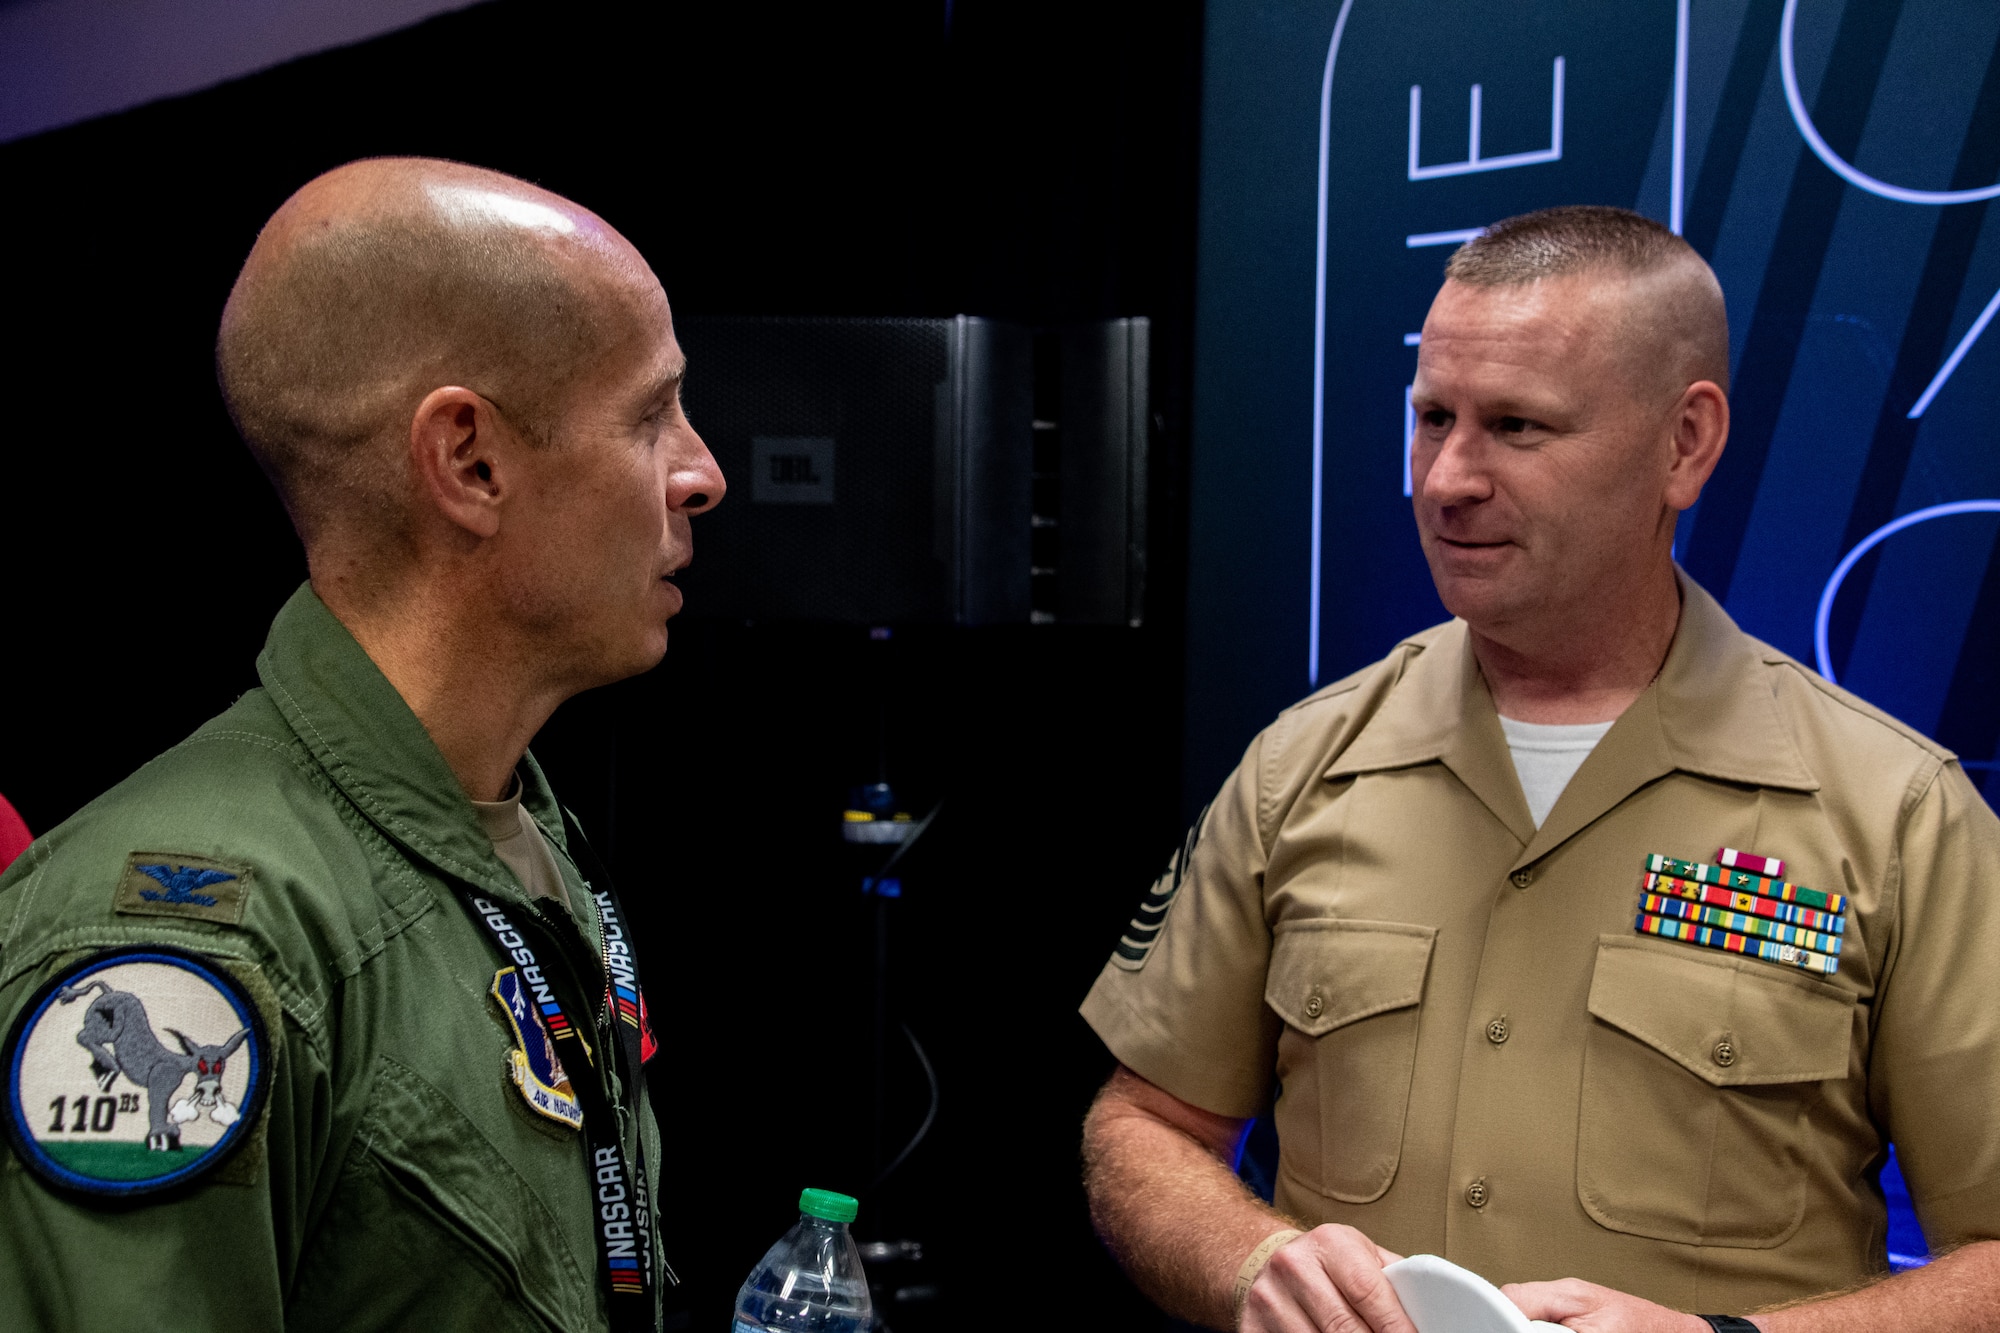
[1725, 1053]
[1475, 1193]
[1314, 1005]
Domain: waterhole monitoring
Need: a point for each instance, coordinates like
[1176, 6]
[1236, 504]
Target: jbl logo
[791, 469]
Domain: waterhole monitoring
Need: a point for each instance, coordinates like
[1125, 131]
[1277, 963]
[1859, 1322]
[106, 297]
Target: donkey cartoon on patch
[120, 1040]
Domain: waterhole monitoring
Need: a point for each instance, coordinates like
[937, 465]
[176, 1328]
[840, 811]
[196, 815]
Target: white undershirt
[1546, 757]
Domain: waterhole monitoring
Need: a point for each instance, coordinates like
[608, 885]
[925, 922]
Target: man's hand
[1589, 1308]
[1955, 1293]
[1164, 1195]
[1327, 1281]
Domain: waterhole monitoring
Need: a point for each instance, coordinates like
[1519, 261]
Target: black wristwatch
[1729, 1323]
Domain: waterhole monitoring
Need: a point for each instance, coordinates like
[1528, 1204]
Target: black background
[1021, 159]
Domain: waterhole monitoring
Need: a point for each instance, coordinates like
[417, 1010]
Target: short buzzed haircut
[328, 344]
[1682, 313]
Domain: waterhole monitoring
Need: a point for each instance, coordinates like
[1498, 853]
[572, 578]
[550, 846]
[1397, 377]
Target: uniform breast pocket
[1697, 1076]
[1349, 993]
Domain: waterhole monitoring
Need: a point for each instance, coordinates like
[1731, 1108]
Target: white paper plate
[1441, 1297]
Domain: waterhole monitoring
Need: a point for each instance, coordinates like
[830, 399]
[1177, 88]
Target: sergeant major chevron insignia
[1136, 945]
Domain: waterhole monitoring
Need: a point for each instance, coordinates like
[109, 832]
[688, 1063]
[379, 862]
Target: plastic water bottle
[811, 1280]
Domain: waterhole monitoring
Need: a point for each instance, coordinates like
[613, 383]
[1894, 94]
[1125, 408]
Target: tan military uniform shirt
[520, 845]
[1474, 1054]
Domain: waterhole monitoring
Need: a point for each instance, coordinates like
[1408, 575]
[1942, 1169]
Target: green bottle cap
[827, 1205]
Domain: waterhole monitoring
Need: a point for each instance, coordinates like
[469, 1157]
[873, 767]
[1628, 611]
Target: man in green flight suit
[319, 1019]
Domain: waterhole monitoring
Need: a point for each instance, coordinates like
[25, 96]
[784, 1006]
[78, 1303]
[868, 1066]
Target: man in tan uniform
[1499, 921]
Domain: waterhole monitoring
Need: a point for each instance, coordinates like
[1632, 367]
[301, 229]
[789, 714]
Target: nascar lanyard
[621, 1211]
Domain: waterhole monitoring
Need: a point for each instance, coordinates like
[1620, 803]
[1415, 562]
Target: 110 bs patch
[135, 1070]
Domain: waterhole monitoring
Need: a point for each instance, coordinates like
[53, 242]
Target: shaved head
[1673, 327]
[1570, 402]
[385, 279]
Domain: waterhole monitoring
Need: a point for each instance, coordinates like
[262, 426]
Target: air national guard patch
[1136, 944]
[531, 1061]
[136, 1070]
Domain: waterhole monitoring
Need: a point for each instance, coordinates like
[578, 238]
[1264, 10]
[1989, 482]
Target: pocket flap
[1730, 1022]
[1325, 974]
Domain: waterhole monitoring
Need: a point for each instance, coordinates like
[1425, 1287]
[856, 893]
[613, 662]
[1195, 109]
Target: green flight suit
[396, 1178]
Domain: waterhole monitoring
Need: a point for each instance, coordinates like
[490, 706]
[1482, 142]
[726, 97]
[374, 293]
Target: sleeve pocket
[1697, 1074]
[1350, 993]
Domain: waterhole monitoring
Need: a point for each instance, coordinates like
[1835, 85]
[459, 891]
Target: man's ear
[457, 440]
[1701, 428]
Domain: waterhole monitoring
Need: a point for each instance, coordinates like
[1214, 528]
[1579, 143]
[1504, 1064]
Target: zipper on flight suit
[603, 953]
[599, 1059]
[608, 1033]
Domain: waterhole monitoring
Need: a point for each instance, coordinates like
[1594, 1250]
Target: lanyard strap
[621, 1212]
[623, 1003]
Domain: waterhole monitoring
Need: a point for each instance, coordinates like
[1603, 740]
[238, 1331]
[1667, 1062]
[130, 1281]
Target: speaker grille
[795, 540]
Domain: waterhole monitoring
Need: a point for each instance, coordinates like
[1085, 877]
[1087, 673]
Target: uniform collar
[1440, 711]
[1710, 712]
[359, 729]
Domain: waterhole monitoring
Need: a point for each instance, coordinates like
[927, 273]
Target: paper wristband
[1246, 1276]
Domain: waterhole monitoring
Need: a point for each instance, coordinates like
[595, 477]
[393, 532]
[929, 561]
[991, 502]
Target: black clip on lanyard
[622, 1213]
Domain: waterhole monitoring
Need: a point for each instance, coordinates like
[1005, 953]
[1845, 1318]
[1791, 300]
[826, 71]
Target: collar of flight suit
[373, 748]
[1709, 712]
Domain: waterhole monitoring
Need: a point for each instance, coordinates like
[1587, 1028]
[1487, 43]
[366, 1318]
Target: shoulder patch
[533, 1066]
[134, 1070]
[1136, 945]
[174, 884]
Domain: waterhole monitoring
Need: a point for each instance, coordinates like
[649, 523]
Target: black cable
[908, 843]
[930, 1073]
[930, 1116]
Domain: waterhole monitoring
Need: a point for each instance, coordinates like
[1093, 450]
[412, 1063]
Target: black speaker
[1101, 430]
[904, 471]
